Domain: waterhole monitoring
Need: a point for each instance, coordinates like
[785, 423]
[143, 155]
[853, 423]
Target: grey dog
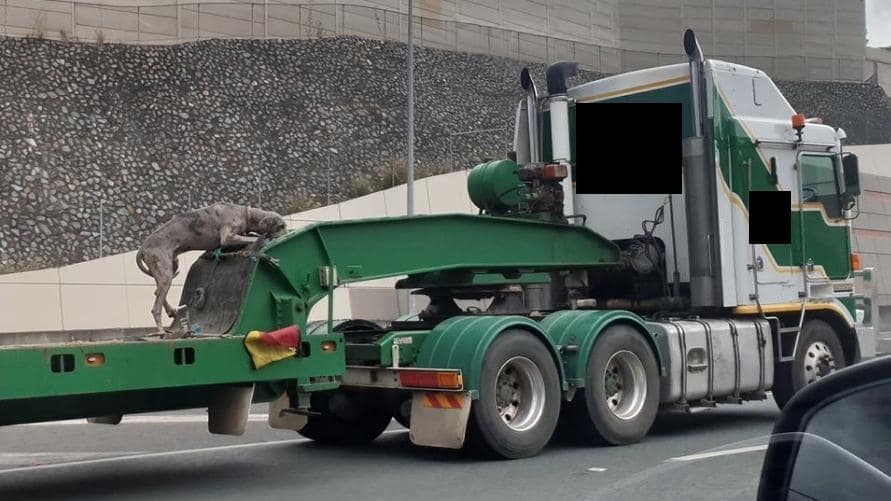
[207, 228]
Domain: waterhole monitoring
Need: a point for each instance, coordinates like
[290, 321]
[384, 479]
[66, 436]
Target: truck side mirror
[826, 443]
[851, 170]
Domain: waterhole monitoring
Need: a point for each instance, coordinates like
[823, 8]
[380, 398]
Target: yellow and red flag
[268, 347]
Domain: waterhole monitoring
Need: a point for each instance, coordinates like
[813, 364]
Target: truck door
[825, 241]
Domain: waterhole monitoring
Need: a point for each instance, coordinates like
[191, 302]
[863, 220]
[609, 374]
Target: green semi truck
[549, 308]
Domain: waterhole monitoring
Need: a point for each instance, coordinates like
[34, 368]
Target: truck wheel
[819, 354]
[621, 394]
[347, 418]
[402, 413]
[399, 403]
[519, 398]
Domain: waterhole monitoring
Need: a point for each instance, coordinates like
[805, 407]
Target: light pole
[410, 167]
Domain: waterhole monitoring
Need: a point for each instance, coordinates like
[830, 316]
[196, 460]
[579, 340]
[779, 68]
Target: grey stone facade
[862, 109]
[140, 133]
[101, 143]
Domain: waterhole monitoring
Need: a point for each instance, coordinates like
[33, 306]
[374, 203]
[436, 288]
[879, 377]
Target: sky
[878, 23]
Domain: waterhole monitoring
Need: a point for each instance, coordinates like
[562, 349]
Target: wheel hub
[818, 362]
[519, 393]
[625, 385]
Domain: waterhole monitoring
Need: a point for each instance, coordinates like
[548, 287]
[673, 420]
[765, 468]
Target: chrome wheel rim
[519, 393]
[818, 362]
[625, 385]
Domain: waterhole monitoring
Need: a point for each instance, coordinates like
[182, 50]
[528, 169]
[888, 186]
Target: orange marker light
[94, 359]
[431, 379]
[856, 265]
[798, 121]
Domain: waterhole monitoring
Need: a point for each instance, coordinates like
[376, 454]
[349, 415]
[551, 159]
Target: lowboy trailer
[547, 309]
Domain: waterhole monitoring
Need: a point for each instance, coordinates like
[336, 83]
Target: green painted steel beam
[64, 369]
[380, 352]
[468, 279]
[300, 268]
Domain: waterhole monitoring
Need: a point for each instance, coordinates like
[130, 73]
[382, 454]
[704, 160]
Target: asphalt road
[711, 454]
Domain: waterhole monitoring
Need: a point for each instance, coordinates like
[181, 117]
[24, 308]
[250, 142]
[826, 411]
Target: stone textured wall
[139, 133]
[862, 109]
[101, 143]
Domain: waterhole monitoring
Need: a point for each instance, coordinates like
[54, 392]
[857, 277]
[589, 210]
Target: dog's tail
[140, 262]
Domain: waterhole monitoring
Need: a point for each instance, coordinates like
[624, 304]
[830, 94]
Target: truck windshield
[820, 183]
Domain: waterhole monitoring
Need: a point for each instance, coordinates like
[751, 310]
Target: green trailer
[438, 365]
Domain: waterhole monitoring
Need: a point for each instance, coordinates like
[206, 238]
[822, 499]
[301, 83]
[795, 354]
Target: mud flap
[228, 409]
[284, 420]
[439, 419]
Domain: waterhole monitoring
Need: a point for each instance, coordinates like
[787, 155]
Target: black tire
[588, 416]
[517, 352]
[399, 403]
[402, 412]
[789, 377]
[347, 418]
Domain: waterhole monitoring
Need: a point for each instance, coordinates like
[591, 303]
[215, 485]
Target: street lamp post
[410, 167]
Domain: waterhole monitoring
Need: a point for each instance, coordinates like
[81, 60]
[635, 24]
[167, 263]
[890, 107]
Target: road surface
[709, 454]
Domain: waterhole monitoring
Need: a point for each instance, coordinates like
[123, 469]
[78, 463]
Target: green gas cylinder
[496, 186]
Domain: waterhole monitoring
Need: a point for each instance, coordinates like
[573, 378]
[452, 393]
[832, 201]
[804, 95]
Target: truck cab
[741, 139]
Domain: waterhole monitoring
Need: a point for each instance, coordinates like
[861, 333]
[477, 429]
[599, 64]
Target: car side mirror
[831, 441]
[851, 169]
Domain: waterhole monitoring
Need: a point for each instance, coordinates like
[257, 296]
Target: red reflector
[431, 379]
[553, 172]
[288, 336]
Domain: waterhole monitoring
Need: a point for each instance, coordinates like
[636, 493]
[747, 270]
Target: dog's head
[272, 225]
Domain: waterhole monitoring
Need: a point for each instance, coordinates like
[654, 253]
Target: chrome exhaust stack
[558, 103]
[532, 110]
[700, 189]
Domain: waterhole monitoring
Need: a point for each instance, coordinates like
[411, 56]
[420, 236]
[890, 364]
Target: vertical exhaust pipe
[558, 103]
[531, 114]
[521, 135]
[700, 189]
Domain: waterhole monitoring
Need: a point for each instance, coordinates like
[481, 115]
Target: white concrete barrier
[111, 292]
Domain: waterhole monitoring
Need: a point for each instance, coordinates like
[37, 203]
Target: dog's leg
[228, 237]
[163, 281]
[170, 310]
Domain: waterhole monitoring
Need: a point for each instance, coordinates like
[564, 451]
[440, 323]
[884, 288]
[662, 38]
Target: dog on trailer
[207, 228]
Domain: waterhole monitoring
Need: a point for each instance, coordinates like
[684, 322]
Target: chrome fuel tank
[713, 359]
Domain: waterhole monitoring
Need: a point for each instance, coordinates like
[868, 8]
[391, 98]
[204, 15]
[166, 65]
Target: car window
[860, 424]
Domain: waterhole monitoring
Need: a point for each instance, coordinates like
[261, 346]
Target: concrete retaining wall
[871, 236]
[790, 39]
[878, 67]
[111, 292]
[101, 144]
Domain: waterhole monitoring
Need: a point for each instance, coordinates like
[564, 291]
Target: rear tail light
[431, 379]
[553, 172]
